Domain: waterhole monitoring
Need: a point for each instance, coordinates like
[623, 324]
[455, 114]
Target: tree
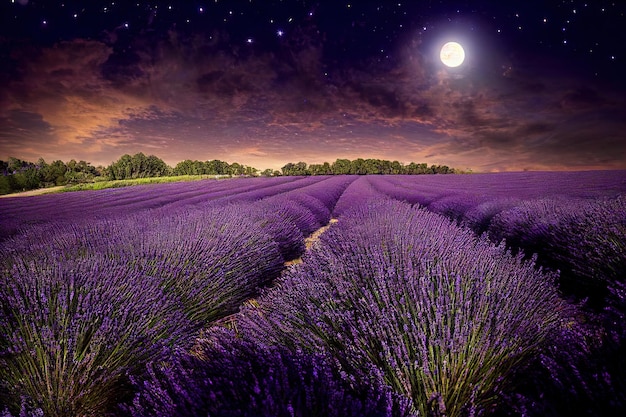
[251, 171]
[137, 166]
[288, 168]
[237, 169]
[320, 169]
[358, 167]
[186, 167]
[372, 166]
[4, 168]
[316, 169]
[341, 167]
[121, 169]
[7, 184]
[156, 167]
[397, 168]
[217, 167]
[54, 174]
[297, 169]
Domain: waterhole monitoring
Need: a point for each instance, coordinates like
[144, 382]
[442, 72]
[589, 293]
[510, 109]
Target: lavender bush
[293, 183]
[615, 346]
[589, 243]
[213, 259]
[455, 206]
[527, 224]
[524, 185]
[227, 375]
[73, 330]
[446, 317]
[479, 217]
[581, 238]
[585, 240]
[327, 192]
[320, 210]
[290, 210]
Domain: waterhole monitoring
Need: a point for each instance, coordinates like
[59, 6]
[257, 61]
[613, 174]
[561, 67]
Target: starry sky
[266, 82]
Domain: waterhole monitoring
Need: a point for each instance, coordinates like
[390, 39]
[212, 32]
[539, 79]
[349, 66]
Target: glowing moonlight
[452, 54]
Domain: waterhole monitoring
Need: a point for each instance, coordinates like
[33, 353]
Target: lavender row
[256, 195]
[577, 230]
[328, 192]
[257, 189]
[76, 206]
[446, 319]
[319, 198]
[360, 192]
[584, 239]
[121, 196]
[456, 196]
[291, 216]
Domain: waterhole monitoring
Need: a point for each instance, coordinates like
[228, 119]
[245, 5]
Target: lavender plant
[292, 183]
[227, 375]
[212, 259]
[406, 189]
[582, 238]
[446, 316]
[328, 191]
[588, 243]
[456, 205]
[291, 210]
[527, 224]
[73, 330]
[70, 207]
[479, 217]
[318, 209]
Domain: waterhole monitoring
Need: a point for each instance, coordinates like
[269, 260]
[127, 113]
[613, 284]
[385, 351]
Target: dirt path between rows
[309, 241]
[230, 321]
[30, 193]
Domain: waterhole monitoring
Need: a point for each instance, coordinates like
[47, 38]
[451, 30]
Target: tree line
[362, 166]
[18, 175]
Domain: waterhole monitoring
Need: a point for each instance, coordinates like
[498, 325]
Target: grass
[101, 185]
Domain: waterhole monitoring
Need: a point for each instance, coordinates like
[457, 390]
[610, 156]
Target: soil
[30, 193]
[309, 241]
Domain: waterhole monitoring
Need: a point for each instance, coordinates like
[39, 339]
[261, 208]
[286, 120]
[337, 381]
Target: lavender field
[446, 295]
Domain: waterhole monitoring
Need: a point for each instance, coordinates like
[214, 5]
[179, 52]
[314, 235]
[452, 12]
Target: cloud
[18, 129]
[189, 96]
[63, 85]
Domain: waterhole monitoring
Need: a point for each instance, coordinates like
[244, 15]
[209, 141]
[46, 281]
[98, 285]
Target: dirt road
[38, 191]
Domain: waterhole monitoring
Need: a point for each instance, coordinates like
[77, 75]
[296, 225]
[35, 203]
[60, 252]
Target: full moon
[452, 54]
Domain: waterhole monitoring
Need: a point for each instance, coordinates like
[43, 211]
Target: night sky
[266, 82]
